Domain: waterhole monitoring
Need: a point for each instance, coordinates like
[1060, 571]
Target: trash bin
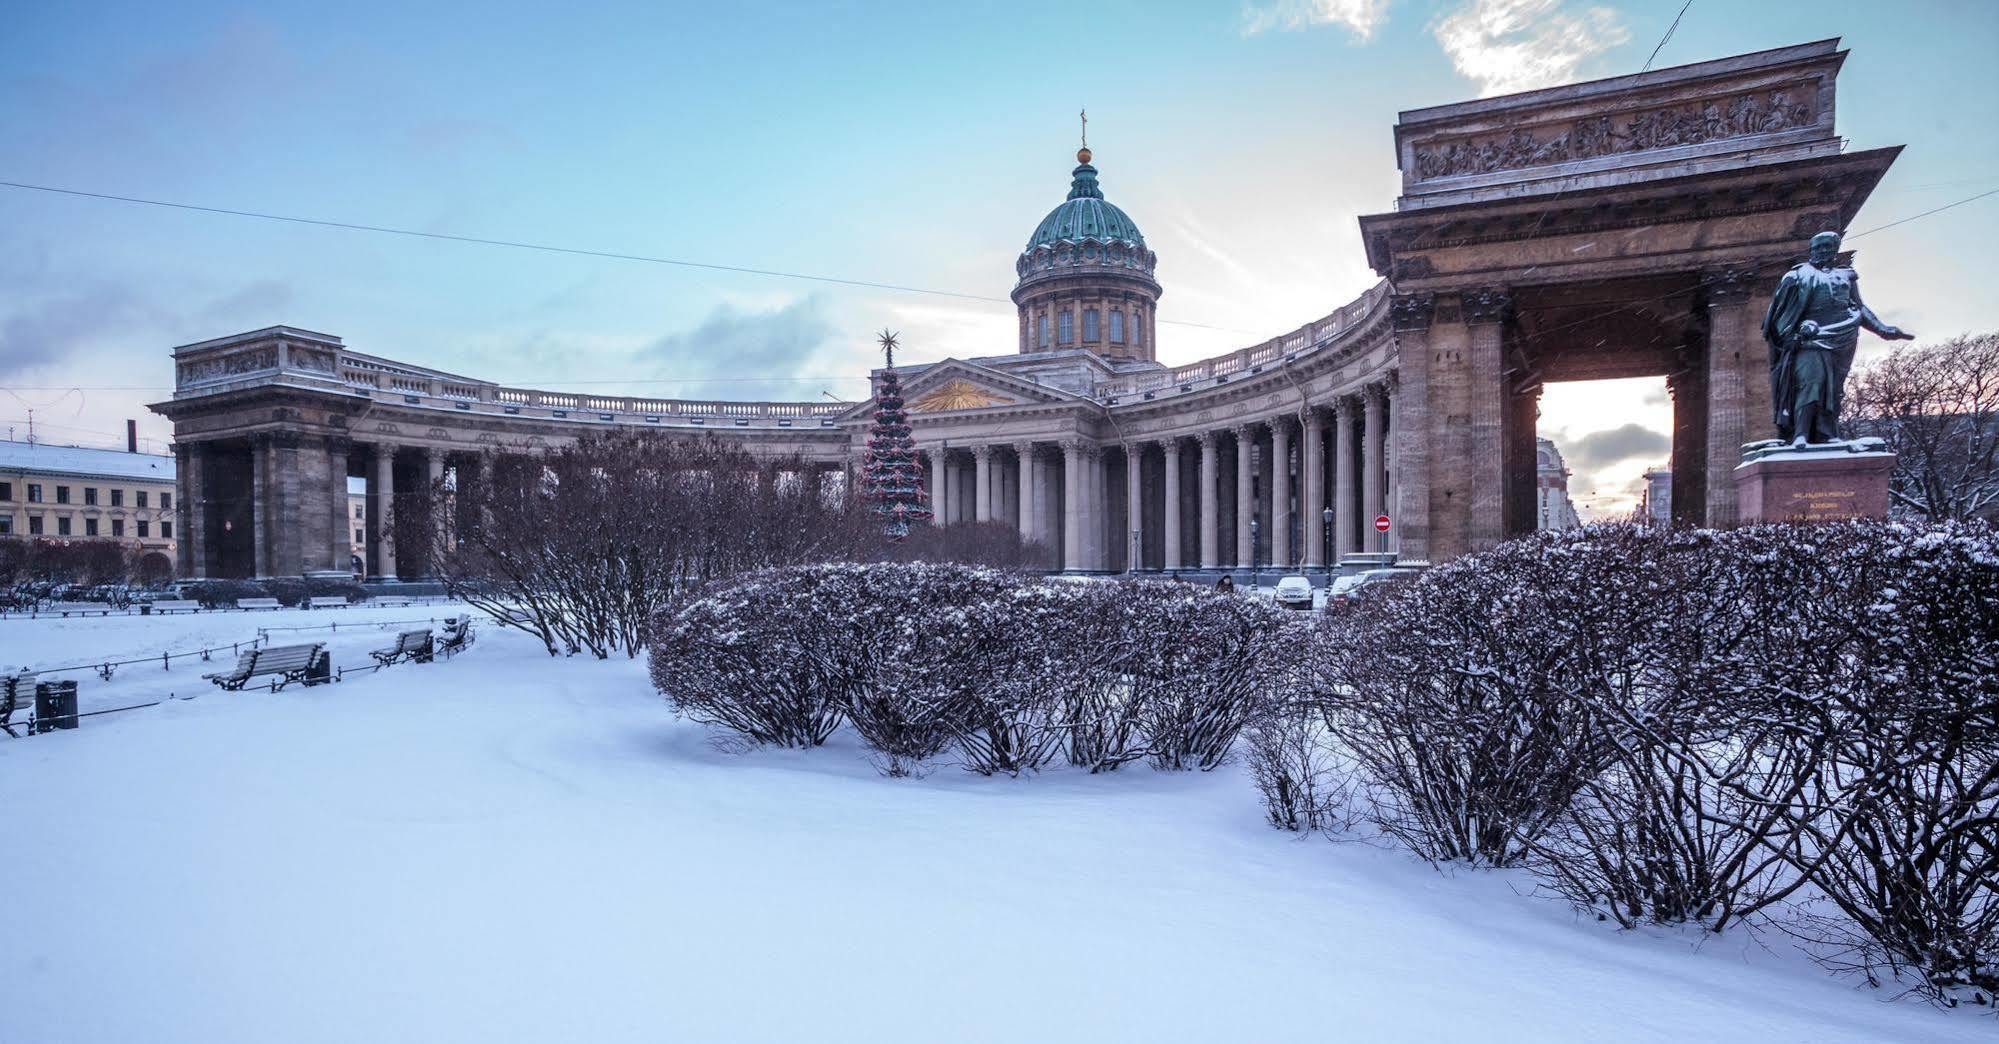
[55, 705]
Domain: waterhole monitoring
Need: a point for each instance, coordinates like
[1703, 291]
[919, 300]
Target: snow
[508, 847]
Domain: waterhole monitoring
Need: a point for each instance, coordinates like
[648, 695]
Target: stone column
[1134, 505]
[1411, 316]
[1245, 494]
[1345, 500]
[1030, 524]
[260, 505]
[1734, 338]
[1073, 491]
[1093, 500]
[381, 509]
[1211, 511]
[1374, 467]
[1170, 448]
[280, 515]
[434, 475]
[1312, 494]
[940, 489]
[189, 533]
[1485, 313]
[982, 483]
[339, 546]
[1280, 493]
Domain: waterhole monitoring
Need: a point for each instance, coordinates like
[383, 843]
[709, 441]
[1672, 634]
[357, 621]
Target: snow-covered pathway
[505, 847]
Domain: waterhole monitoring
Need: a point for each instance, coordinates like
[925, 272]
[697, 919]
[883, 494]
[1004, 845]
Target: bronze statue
[1813, 330]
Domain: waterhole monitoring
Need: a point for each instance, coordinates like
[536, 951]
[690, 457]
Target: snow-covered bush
[1689, 726]
[1011, 670]
[222, 594]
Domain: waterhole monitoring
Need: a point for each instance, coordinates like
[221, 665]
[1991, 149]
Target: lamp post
[1327, 515]
[1254, 528]
[1136, 547]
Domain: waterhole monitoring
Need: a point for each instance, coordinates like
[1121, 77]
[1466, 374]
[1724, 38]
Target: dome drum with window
[1086, 277]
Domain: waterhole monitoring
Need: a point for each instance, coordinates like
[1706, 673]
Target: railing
[1316, 334]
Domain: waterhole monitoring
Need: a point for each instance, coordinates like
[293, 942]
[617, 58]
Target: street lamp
[1254, 527]
[1327, 515]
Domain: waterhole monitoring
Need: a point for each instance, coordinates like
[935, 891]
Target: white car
[1294, 592]
[1350, 585]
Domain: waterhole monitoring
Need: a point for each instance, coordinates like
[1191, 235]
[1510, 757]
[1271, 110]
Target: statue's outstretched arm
[1870, 321]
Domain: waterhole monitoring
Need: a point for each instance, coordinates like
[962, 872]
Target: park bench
[16, 691]
[410, 645]
[68, 609]
[258, 603]
[327, 602]
[457, 636]
[396, 601]
[176, 605]
[283, 664]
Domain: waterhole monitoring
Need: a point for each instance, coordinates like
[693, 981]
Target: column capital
[1375, 395]
[382, 449]
[1486, 305]
[982, 452]
[1315, 418]
[1246, 431]
[1727, 285]
[1169, 444]
[338, 443]
[1024, 450]
[1207, 439]
[1411, 312]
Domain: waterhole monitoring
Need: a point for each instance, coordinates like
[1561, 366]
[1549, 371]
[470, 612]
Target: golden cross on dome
[1085, 116]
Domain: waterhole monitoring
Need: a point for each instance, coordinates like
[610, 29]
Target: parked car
[1294, 592]
[1350, 585]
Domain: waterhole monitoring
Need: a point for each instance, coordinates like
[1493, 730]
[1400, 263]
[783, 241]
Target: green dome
[1086, 215]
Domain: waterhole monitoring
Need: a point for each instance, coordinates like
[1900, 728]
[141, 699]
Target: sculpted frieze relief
[220, 366]
[1695, 123]
[312, 359]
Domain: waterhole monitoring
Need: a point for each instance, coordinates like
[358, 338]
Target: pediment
[956, 385]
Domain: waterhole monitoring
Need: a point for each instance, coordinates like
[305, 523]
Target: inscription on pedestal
[1814, 487]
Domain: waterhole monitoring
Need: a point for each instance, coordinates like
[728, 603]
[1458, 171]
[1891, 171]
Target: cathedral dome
[1086, 276]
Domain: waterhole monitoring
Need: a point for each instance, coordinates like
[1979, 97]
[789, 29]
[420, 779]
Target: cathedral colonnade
[1296, 490]
[1632, 227]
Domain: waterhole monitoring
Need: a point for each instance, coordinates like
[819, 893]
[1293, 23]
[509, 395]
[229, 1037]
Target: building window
[117, 527]
[117, 498]
[1044, 331]
[166, 501]
[62, 494]
[89, 495]
[1089, 324]
[359, 511]
[359, 538]
[6, 525]
[1068, 327]
[166, 531]
[143, 527]
[62, 526]
[89, 527]
[141, 495]
[1117, 327]
[6, 491]
[1137, 328]
[34, 525]
[34, 492]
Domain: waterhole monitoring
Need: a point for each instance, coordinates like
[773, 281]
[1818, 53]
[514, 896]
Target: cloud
[1359, 17]
[1600, 449]
[63, 327]
[1518, 45]
[734, 342]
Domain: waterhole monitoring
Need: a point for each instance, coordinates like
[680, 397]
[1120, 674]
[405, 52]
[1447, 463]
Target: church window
[1068, 325]
[1137, 328]
[1089, 324]
[1044, 329]
[1117, 327]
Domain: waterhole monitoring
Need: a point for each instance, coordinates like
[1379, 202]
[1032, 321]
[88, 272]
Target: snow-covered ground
[506, 847]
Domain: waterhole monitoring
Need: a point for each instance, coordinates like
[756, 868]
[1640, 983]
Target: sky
[907, 144]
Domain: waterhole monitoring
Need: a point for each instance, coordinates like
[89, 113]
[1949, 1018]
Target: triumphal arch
[1633, 226]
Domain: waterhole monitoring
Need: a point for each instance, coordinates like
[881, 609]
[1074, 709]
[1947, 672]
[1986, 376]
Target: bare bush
[583, 545]
[1937, 405]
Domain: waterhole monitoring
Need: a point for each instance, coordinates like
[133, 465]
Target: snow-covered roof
[83, 461]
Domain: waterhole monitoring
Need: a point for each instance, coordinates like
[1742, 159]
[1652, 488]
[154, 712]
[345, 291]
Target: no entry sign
[1381, 523]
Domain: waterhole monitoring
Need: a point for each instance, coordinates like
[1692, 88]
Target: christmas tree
[892, 475]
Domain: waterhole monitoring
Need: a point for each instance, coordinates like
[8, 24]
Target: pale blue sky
[911, 144]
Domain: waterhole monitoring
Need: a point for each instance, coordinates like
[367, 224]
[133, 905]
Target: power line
[1668, 36]
[1924, 214]
[353, 226]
